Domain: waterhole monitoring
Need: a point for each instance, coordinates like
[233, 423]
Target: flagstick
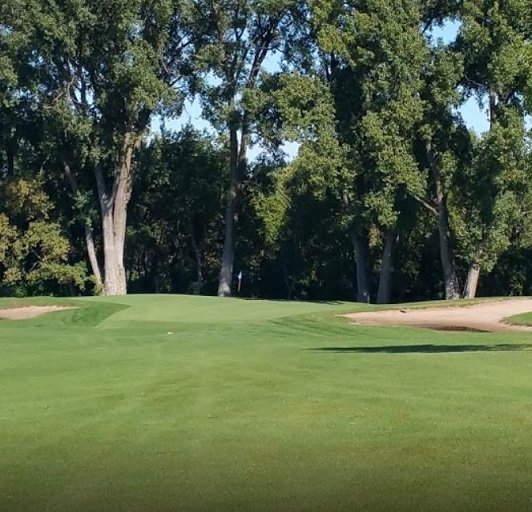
[239, 277]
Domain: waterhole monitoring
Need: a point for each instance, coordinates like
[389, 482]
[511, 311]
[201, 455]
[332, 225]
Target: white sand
[26, 312]
[484, 316]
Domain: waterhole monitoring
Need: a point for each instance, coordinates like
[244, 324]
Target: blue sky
[475, 117]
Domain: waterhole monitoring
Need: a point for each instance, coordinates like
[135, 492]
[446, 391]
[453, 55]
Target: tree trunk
[384, 294]
[470, 290]
[452, 287]
[93, 258]
[236, 164]
[361, 246]
[113, 209]
[228, 256]
[290, 284]
[115, 275]
[492, 108]
[10, 153]
[89, 235]
[197, 256]
[234, 72]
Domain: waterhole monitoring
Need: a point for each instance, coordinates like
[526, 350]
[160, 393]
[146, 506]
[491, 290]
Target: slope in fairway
[258, 406]
[207, 310]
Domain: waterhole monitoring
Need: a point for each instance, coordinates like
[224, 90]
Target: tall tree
[240, 36]
[494, 39]
[373, 55]
[443, 150]
[99, 71]
[492, 196]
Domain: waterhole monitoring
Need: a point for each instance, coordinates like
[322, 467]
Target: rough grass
[184, 403]
[523, 319]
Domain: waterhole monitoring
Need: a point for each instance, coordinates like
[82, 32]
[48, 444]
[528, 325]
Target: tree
[494, 39]
[240, 35]
[34, 251]
[98, 72]
[443, 150]
[372, 58]
[493, 197]
[176, 221]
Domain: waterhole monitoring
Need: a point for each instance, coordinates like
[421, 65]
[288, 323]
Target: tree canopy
[390, 197]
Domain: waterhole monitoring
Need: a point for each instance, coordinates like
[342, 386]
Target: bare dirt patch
[482, 317]
[23, 313]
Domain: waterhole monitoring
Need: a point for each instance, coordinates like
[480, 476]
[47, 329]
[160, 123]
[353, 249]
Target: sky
[473, 115]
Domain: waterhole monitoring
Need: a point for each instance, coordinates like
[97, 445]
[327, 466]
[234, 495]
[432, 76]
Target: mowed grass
[167, 403]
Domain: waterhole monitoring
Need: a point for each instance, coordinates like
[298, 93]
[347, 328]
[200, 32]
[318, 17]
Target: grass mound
[524, 319]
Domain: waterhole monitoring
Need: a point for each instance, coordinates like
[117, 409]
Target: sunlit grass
[185, 403]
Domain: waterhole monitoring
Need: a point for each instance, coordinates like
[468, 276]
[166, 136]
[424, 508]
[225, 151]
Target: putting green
[169, 403]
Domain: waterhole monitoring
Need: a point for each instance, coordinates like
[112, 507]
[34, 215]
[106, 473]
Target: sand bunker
[26, 312]
[482, 317]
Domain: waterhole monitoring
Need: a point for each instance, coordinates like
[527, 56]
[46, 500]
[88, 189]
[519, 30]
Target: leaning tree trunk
[452, 287]
[93, 258]
[470, 290]
[361, 246]
[89, 233]
[384, 294]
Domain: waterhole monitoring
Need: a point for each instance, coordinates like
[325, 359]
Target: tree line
[391, 197]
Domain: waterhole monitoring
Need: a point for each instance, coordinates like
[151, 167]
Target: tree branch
[427, 205]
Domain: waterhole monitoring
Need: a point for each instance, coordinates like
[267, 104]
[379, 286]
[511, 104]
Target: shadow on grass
[295, 301]
[425, 349]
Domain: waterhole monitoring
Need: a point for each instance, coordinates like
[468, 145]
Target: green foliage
[493, 40]
[498, 184]
[235, 38]
[271, 205]
[306, 111]
[34, 251]
[367, 92]
[175, 220]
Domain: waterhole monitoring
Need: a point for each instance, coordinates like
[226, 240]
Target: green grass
[523, 319]
[168, 403]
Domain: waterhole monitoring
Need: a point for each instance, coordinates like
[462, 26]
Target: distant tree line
[390, 198]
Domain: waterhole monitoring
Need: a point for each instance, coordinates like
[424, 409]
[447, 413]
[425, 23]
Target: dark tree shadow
[425, 349]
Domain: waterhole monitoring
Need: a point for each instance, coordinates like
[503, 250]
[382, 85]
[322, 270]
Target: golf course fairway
[174, 403]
